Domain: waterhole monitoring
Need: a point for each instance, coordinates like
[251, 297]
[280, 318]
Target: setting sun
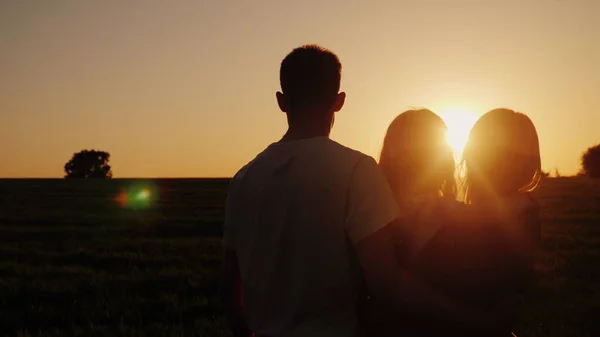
[459, 122]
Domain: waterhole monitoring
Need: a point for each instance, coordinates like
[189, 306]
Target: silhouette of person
[467, 251]
[306, 216]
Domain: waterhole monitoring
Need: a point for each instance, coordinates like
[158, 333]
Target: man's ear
[281, 101]
[339, 101]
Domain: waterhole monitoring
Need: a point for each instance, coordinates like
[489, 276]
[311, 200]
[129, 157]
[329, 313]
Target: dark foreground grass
[73, 263]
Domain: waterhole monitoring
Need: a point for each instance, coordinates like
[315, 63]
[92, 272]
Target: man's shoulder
[243, 171]
[328, 148]
[348, 152]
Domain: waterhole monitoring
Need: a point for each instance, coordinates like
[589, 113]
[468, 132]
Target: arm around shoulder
[371, 224]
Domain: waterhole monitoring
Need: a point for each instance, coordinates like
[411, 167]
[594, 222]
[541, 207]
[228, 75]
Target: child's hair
[502, 156]
[416, 157]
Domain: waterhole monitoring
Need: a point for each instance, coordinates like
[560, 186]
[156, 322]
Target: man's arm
[395, 287]
[231, 294]
[371, 226]
[230, 287]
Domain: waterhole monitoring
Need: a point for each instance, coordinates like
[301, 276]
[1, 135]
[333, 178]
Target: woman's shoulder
[533, 203]
[432, 203]
[449, 204]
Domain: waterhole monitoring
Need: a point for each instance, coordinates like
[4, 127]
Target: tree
[88, 164]
[590, 162]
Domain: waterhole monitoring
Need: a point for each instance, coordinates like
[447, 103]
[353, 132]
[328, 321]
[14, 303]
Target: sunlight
[459, 122]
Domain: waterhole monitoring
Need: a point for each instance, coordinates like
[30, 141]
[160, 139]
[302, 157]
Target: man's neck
[297, 133]
[308, 127]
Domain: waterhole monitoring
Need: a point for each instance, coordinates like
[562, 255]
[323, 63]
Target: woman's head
[502, 156]
[416, 157]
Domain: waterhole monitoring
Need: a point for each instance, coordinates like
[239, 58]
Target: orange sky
[187, 88]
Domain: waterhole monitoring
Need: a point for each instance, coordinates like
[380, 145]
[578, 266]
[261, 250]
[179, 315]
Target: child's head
[502, 156]
[416, 157]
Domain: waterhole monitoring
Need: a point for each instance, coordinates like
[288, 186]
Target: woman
[466, 251]
[502, 160]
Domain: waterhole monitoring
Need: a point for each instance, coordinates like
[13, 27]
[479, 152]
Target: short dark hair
[310, 77]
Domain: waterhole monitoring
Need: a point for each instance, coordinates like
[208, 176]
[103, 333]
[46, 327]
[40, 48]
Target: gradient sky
[187, 88]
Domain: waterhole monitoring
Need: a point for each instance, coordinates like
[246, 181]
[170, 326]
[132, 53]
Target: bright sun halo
[459, 122]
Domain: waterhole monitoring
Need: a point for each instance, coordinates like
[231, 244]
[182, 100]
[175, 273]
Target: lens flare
[121, 199]
[135, 198]
[143, 195]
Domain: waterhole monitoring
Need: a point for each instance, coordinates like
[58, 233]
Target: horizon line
[119, 178]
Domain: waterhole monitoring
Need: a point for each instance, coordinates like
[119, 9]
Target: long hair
[501, 157]
[416, 157]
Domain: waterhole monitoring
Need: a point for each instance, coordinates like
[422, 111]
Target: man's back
[292, 214]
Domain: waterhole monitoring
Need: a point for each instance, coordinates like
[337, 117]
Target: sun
[459, 122]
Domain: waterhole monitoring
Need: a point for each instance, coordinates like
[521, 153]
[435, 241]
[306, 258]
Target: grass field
[74, 263]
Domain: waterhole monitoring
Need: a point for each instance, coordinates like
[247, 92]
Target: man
[298, 213]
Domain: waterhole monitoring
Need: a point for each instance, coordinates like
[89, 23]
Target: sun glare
[459, 122]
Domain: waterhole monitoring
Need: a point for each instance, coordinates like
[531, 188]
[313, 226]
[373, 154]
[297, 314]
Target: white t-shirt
[290, 213]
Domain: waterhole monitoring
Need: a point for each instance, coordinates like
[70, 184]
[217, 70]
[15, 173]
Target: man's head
[310, 83]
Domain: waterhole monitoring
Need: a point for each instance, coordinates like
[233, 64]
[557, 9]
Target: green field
[74, 263]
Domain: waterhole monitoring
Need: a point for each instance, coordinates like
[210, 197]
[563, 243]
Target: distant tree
[88, 164]
[545, 174]
[590, 162]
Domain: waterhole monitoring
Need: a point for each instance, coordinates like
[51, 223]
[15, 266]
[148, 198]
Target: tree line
[94, 164]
